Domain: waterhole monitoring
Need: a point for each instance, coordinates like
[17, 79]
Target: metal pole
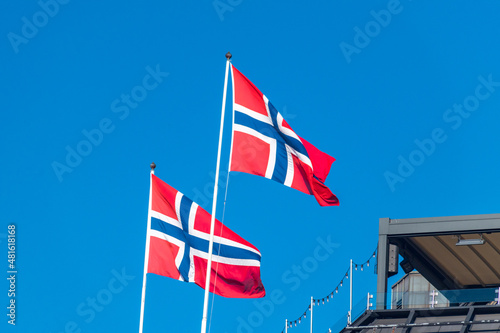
[349, 319]
[312, 314]
[214, 204]
[286, 325]
[146, 253]
[433, 298]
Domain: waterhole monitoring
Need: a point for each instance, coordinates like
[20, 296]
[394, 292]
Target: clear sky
[404, 94]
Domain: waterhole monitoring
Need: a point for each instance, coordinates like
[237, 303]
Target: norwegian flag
[179, 236]
[263, 144]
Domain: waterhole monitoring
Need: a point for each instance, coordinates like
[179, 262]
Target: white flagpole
[312, 314]
[349, 319]
[146, 253]
[214, 204]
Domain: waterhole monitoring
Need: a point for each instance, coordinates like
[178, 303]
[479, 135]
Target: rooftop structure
[460, 319]
[452, 253]
[458, 290]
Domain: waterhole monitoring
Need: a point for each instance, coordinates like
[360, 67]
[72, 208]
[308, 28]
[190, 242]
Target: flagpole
[214, 203]
[146, 253]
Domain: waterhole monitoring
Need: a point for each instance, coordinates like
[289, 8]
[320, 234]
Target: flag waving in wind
[264, 144]
[178, 246]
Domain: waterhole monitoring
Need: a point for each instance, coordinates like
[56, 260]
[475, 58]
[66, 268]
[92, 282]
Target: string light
[317, 301]
[367, 262]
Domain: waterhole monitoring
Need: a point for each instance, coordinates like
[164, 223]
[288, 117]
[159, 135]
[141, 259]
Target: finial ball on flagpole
[229, 55]
[153, 166]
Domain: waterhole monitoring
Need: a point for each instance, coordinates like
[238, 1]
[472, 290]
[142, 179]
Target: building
[458, 256]
[414, 291]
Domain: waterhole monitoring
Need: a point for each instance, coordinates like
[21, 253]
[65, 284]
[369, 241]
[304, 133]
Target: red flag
[179, 237]
[265, 145]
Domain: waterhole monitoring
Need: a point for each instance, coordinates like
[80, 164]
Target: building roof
[463, 319]
[433, 244]
[429, 245]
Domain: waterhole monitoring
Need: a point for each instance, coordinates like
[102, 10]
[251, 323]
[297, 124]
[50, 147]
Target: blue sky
[404, 94]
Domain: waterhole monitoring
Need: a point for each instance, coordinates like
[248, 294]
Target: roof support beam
[468, 318]
[411, 318]
[382, 263]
